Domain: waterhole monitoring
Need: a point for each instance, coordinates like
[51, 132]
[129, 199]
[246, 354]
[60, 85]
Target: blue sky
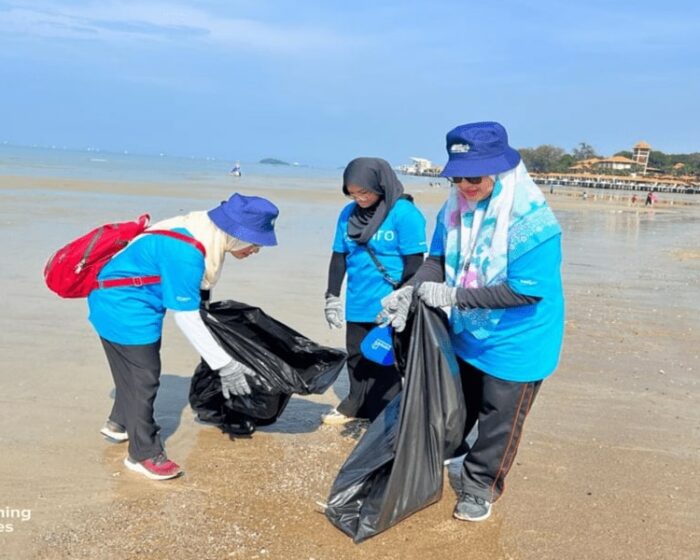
[321, 82]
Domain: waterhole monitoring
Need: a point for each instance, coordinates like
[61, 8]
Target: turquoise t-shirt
[401, 233]
[526, 344]
[134, 315]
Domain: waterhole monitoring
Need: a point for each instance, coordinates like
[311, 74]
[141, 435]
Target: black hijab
[376, 175]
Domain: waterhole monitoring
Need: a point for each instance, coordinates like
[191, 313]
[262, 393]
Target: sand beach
[608, 467]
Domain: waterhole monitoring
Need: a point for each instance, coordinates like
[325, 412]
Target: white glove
[437, 294]
[334, 312]
[233, 381]
[395, 308]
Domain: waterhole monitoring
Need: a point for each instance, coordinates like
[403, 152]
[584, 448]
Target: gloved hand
[437, 294]
[334, 312]
[233, 381]
[395, 308]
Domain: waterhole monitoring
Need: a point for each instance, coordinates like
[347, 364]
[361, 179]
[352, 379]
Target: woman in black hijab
[379, 243]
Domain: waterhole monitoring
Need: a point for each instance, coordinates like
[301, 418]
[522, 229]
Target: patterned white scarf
[482, 238]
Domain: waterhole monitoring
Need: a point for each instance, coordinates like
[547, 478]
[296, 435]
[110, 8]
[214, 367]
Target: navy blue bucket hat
[248, 218]
[479, 149]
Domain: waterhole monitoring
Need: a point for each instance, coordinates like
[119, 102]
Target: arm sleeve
[432, 270]
[411, 264]
[205, 297]
[500, 296]
[192, 326]
[336, 273]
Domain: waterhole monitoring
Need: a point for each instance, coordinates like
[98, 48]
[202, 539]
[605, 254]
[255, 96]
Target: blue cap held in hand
[378, 346]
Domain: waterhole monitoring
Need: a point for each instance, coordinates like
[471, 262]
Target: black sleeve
[432, 270]
[336, 273]
[501, 296]
[411, 263]
[204, 298]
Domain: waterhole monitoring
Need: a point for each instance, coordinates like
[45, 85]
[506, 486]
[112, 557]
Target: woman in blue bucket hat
[129, 319]
[494, 264]
[379, 243]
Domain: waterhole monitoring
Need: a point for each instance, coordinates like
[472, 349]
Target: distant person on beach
[494, 261]
[129, 320]
[651, 199]
[634, 200]
[379, 243]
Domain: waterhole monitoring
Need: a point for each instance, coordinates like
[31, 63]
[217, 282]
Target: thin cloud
[160, 23]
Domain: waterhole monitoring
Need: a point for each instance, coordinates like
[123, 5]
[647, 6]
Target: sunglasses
[359, 195]
[471, 180]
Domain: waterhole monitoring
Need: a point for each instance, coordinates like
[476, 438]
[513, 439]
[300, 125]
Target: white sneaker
[114, 432]
[335, 417]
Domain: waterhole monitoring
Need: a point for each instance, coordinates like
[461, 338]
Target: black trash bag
[284, 360]
[396, 468]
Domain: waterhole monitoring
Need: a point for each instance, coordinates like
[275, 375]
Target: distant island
[273, 161]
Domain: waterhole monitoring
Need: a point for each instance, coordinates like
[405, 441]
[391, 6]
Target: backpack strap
[181, 237]
[138, 281]
[394, 283]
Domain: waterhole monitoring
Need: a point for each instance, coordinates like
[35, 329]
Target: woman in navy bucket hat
[129, 319]
[495, 263]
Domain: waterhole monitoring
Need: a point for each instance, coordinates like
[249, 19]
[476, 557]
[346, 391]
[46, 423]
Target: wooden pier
[684, 185]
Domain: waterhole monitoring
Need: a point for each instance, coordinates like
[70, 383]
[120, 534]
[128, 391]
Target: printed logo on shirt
[385, 235]
[528, 282]
[183, 299]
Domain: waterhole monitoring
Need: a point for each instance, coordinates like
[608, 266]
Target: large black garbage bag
[396, 468]
[284, 360]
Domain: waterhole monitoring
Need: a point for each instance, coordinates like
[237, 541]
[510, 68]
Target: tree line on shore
[552, 159]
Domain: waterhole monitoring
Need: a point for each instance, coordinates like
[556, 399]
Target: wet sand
[607, 468]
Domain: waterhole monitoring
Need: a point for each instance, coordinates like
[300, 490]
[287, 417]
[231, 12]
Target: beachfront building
[640, 154]
[622, 173]
[587, 180]
[585, 164]
[420, 166]
[617, 163]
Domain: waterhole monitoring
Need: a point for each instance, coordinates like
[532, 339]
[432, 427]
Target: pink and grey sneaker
[157, 468]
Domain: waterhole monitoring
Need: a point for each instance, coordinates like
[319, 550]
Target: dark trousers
[500, 407]
[136, 374]
[372, 386]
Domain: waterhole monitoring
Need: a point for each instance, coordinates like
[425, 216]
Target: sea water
[637, 247]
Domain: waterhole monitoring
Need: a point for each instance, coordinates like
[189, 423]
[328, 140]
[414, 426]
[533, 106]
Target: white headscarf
[481, 239]
[215, 240]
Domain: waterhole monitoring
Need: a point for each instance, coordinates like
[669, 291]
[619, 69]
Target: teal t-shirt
[134, 315]
[526, 344]
[401, 233]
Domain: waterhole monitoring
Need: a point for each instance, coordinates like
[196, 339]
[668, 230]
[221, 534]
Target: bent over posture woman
[129, 319]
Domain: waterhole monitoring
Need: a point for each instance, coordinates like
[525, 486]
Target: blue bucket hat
[479, 149]
[248, 218]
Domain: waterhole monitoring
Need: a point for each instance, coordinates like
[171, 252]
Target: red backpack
[72, 271]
